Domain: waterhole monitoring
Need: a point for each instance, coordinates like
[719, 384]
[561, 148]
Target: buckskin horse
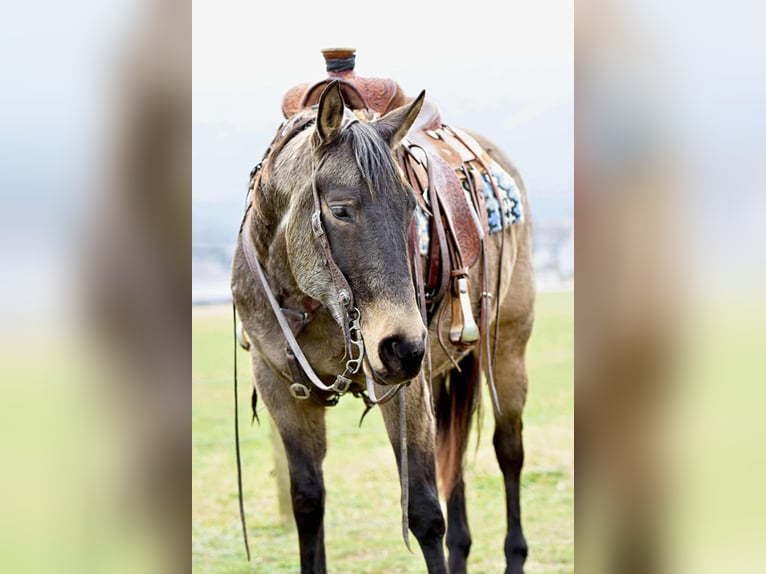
[374, 236]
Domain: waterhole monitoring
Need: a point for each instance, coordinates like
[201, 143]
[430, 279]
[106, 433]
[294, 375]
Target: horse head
[346, 165]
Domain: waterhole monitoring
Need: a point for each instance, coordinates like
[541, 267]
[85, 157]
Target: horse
[324, 281]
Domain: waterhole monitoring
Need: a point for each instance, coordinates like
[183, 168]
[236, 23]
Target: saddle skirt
[463, 194]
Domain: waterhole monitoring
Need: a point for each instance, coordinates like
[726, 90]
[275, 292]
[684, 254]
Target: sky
[245, 53]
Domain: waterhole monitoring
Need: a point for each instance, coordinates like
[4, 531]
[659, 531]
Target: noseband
[300, 368]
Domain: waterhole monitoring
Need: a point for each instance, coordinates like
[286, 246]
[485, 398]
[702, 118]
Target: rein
[341, 383]
[236, 440]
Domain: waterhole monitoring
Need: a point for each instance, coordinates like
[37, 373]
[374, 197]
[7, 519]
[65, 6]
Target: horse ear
[330, 113]
[396, 123]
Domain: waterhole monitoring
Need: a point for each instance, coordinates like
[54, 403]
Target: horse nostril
[406, 350]
[402, 356]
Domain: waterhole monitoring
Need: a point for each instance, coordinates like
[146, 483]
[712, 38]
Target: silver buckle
[316, 224]
[341, 384]
[299, 391]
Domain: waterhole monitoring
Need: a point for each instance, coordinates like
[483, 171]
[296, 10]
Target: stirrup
[470, 331]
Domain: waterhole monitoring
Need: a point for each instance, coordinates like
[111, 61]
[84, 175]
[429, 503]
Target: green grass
[362, 519]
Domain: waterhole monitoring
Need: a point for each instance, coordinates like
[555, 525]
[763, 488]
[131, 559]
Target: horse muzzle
[402, 358]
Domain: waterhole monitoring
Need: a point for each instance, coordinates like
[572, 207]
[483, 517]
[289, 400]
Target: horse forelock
[373, 157]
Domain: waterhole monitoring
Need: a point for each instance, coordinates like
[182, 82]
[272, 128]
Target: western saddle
[452, 177]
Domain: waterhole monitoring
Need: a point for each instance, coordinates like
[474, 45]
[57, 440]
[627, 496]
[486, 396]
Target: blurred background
[98, 200]
[669, 305]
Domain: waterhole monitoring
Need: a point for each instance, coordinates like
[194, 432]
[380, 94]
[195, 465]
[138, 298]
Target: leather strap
[342, 288]
[404, 472]
[417, 273]
[437, 277]
[297, 321]
[255, 267]
[474, 147]
[240, 495]
[438, 280]
[408, 162]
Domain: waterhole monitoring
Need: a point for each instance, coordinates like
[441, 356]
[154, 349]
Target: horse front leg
[426, 521]
[308, 498]
[301, 426]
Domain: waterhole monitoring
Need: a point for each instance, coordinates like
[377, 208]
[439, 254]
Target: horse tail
[458, 400]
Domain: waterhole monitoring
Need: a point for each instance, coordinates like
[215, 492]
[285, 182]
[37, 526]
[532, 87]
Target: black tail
[458, 401]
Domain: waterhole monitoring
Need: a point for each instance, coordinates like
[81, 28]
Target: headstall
[303, 375]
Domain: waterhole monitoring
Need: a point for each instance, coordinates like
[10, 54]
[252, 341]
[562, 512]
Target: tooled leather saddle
[456, 184]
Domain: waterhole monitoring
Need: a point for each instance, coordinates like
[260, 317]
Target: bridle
[299, 366]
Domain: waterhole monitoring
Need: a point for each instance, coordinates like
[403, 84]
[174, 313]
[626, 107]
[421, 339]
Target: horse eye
[341, 212]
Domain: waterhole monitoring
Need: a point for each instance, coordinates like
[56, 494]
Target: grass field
[362, 519]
